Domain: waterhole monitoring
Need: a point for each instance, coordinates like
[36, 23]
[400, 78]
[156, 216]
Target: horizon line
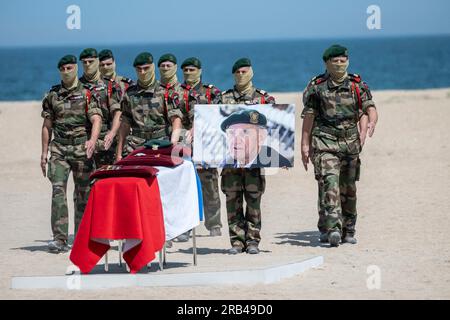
[250, 40]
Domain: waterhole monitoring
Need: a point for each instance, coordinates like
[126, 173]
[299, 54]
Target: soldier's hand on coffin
[44, 164]
[109, 138]
[90, 147]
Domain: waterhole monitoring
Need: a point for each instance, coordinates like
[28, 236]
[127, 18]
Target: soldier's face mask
[108, 68]
[243, 79]
[192, 75]
[168, 72]
[146, 75]
[337, 68]
[69, 74]
[90, 66]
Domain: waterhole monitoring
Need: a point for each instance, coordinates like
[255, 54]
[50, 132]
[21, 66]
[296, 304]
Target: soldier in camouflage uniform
[335, 104]
[238, 184]
[67, 110]
[196, 92]
[110, 94]
[108, 73]
[169, 84]
[147, 111]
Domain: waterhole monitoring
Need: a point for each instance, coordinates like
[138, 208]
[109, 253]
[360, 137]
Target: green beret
[243, 62]
[105, 54]
[244, 116]
[157, 144]
[143, 58]
[193, 61]
[167, 57]
[88, 53]
[68, 59]
[335, 51]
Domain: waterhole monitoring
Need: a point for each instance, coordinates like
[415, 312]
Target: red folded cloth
[121, 208]
[109, 171]
[150, 160]
[176, 151]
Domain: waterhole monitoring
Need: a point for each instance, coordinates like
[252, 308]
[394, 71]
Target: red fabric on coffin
[151, 160]
[121, 208]
[109, 171]
[175, 150]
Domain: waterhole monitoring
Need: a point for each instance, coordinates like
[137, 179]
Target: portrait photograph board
[244, 136]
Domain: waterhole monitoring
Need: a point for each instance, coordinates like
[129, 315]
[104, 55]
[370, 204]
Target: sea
[279, 66]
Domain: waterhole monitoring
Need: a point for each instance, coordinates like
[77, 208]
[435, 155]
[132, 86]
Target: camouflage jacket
[337, 106]
[70, 111]
[110, 94]
[258, 96]
[200, 94]
[148, 111]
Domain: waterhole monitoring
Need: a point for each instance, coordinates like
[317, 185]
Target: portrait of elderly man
[247, 136]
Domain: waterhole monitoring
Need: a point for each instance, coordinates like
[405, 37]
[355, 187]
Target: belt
[147, 135]
[340, 133]
[70, 141]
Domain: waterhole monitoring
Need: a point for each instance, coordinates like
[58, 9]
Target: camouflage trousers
[63, 159]
[336, 175]
[211, 199]
[238, 184]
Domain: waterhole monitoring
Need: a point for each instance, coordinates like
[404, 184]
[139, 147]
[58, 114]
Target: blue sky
[42, 23]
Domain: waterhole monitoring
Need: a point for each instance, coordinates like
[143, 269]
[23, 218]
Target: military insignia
[127, 80]
[261, 91]
[254, 117]
[76, 97]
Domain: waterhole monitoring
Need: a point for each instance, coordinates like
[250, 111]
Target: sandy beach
[402, 225]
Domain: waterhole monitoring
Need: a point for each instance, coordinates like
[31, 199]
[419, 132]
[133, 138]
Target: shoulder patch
[318, 79]
[355, 77]
[126, 80]
[261, 91]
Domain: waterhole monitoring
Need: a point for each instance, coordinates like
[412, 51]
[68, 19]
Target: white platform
[104, 281]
